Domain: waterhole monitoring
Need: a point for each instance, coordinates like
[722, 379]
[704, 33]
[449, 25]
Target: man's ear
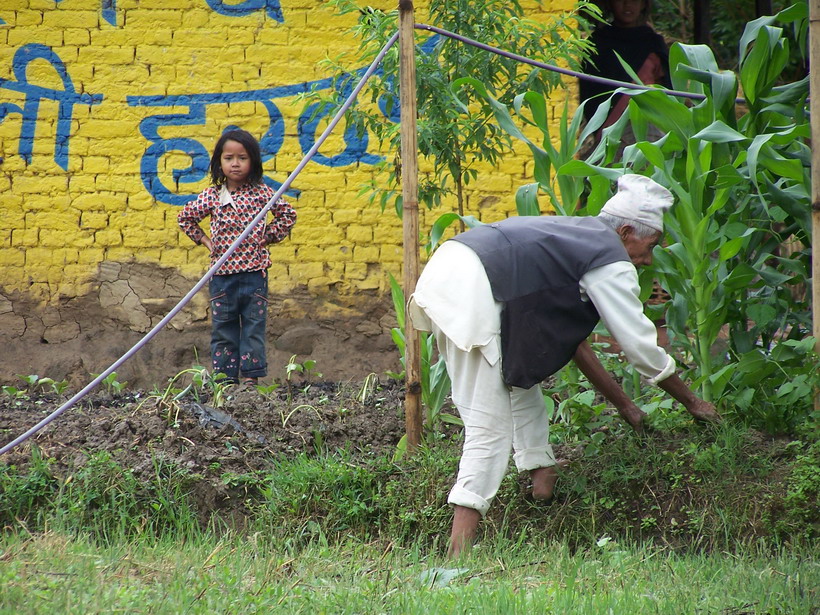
[625, 231]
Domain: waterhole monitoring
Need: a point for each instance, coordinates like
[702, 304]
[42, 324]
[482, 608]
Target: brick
[23, 18]
[110, 183]
[316, 236]
[121, 73]
[52, 238]
[154, 19]
[302, 272]
[95, 164]
[61, 18]
[346, 216]
[93, 220]
[76, 36]
[52, 220]
[366, 254]
[244, 72]
[359, 234]
[149, 255]
[313, 254]
[173, 258]
[119, 255]
[39, 184]
[25, 237]
[20, 36]
[106, 55]
[12, 258]
[281, 253]
[91, 256]
[391, 254]
[108, 237]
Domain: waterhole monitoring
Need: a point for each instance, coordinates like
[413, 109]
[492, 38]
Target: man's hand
[703, 411]
[699, 409]
[588, 363]
[632, 415]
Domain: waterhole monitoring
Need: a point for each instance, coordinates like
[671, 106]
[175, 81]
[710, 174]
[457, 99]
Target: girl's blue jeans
[239, 309]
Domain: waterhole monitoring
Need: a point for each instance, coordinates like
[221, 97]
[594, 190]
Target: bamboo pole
[814, 89]
[410, 216]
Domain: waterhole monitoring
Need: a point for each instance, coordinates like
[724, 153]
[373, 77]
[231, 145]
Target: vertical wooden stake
[410, 215]
[814, 91]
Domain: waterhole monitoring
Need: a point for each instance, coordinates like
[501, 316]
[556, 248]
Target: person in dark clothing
[643, 49]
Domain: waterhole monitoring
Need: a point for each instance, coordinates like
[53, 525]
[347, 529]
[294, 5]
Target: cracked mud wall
[84, 335]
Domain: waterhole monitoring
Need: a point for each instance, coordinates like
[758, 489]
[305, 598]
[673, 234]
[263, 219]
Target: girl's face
[236, 164]
[627, 13]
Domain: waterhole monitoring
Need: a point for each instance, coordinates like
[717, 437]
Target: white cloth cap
[640, 199]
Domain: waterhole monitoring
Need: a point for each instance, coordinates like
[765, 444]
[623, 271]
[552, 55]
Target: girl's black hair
[251, 145]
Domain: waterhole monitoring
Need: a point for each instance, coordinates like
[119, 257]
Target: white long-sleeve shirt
[453, 291]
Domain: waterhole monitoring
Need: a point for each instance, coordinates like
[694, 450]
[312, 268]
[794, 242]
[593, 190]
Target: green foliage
[33, 381]
[110, 383]
[100, 497]
[307, 369]
[454, 134]
[576, 415]
[27, 497]
[302, 491]
[675, 20]
[195, 382]
[435, 382]
[688, 488]
[238, 573]
[741, 180]
[14, 392]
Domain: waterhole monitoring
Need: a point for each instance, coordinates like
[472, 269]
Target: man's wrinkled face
[639, 249]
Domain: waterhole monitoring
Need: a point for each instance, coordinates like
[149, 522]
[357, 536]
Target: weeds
[110, 383]
[33, 382]
[203, 386]
[100, 498]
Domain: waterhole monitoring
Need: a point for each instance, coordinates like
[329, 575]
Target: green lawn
[53, 573]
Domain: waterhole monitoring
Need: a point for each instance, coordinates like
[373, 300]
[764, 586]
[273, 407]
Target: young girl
[239, 288]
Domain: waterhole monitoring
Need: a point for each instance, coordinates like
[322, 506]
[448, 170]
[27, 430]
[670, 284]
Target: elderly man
[510, 303]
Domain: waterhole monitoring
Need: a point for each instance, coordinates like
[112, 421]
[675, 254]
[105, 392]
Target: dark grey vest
[534, 265]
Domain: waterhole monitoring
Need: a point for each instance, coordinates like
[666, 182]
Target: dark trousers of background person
[239, 309]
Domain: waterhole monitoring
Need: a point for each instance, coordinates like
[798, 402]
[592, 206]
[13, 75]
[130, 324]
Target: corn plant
[435, 382]
[740, 175]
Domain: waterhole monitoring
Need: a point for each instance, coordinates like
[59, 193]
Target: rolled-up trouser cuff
[461, 497]
[532, 458]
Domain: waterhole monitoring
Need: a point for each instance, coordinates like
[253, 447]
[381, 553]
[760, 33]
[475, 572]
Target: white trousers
[497, 418]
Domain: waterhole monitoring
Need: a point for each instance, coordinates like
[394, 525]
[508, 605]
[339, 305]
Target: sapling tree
[455, 135]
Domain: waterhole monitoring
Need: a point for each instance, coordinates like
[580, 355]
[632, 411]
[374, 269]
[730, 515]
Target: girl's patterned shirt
[231, 213]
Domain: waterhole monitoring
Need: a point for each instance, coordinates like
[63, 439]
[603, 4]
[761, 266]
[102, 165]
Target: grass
[685, 520]
[54, 573]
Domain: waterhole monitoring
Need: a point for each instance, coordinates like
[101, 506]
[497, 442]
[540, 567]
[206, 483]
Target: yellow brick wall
[83, 182]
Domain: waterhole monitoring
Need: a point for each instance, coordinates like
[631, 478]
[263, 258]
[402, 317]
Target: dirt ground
[247, 429]
[246, 433]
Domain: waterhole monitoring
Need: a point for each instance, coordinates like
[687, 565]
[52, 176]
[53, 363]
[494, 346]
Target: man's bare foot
[544, 479]
[465, 526]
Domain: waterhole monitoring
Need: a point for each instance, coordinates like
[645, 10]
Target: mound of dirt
[245, 430]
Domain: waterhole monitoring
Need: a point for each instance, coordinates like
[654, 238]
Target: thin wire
[564, 71]
[259, 218]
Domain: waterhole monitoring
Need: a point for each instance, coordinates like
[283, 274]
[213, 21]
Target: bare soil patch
[245, 434]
